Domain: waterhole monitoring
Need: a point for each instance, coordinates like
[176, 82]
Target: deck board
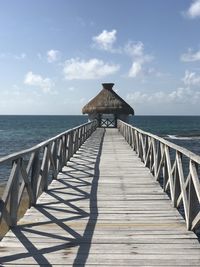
[105, 209]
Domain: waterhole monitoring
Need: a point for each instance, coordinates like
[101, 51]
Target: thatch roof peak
[108, 86]
[107, 102]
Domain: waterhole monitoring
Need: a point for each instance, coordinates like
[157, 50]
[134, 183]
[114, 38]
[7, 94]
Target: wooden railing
[33, 169]
[176, 168]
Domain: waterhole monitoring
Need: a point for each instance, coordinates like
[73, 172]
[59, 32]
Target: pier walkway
[105, 209]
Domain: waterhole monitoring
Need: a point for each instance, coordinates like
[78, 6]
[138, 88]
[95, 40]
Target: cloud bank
[194, 10]
[77, 69]
[37, 80]
[187, 94]
[190, 56]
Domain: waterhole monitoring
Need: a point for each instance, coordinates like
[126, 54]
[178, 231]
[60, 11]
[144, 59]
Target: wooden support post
[177, 188]
[54, 156]
[194, 197]
[44, 169]
[63, 150]
[67, 147]
[14, 194]
[71, 144]
[35, 175]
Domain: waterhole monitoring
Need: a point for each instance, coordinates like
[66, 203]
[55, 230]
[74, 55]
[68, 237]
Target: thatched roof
[108, 102]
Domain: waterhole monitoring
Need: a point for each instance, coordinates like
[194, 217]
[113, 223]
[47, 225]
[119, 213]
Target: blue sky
[54, 55]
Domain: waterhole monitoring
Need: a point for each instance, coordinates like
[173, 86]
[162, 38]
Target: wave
[183, 137]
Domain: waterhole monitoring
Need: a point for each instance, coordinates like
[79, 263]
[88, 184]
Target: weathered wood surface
[33, 169]
[105, 209]
[176, 168]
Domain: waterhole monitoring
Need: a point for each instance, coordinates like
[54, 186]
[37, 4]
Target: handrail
[34, 168]
[175, 167]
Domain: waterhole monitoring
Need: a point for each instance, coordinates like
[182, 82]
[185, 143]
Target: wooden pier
[106, 206]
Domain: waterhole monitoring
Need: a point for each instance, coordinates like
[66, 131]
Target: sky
[55, 54]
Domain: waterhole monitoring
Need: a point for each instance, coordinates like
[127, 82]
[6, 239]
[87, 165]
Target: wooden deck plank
[105, 209]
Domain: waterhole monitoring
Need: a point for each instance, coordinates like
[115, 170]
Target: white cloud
[136, 51]
[191, 56]
[194, 10]
[187, 94]
[20, 57]
[37, 80]
[75, 68]
[191, 79]
[135, 69]
[179, 96]
[53, 55]
[105, 40]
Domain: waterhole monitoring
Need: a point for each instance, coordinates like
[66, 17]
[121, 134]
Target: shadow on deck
[131, 223]
[48, 228]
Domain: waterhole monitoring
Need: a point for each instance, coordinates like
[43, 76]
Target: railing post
[155, 162]
[193, 205]
[70, 144]
[132, 139]
[128, 135]
[151, 157]
[64, 150]
[76, 140]
[139, 147]
[44, 169]
[14, 193]
[137, 142]
[158, 159]
[87, 131]
[165, 172]
[146, 151]
[73, 142]
[59, 154]
[67, 147]
[54, 156]
[177, 188]
[34, 175]
[80, 137]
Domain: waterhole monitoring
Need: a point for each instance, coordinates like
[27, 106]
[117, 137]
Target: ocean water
[182, 130]
[21, 132]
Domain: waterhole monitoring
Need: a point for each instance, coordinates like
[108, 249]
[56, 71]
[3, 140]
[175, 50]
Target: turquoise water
[20, 132]
[182, 130]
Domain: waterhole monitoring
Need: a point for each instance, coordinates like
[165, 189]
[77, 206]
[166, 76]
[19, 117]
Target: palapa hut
[107, 107]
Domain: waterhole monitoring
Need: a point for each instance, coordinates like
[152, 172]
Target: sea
[181, 130]
[21, 132]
